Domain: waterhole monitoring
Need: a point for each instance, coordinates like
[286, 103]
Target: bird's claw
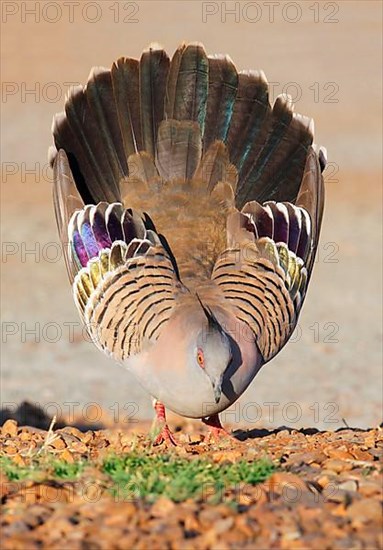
[216, 431]
[165, 436]
[218, 434]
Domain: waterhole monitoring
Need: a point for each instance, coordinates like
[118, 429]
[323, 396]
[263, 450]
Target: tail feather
[89, 151]
[285, 138]
[264, 145]
[179, 149]
[83, 124]
[66, 140]
[154, 68]
[250, 109]
[291, 161]
[101, 102]
[222, 91]
[187, 85]
[125, 80]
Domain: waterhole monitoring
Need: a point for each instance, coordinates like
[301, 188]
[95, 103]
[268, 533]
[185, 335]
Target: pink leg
[165, 435]
[216, 430]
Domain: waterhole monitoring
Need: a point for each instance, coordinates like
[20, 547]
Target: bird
[189, 210]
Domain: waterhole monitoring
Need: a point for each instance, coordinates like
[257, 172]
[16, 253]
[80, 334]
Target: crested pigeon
[189, 210]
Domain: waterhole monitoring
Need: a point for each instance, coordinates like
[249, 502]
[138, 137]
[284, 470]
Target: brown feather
[154, 68]
[215, 166]
[66, 200]
[125, 79]
[250, 108]
[188, 84]
[178, 149]
[223, 81]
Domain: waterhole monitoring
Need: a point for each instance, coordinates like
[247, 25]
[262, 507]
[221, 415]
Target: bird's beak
[217, 388]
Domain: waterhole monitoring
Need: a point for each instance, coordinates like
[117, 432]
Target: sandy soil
[326, 492]
[332, 369]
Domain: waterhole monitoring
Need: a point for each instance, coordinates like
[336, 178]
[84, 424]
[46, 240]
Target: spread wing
[265, 270]
[125, 279]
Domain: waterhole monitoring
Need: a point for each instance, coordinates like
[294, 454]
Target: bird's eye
[200, 358]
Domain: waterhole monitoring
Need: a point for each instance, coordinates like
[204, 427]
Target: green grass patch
[150, 476]
[147, 476]
[41, 468]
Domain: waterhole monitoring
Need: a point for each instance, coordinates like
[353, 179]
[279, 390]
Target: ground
[106, 489]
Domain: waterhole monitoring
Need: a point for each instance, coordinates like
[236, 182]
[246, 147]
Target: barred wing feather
[124, 300]
[265, 271]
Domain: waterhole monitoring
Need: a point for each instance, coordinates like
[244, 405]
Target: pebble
[337, 465]
[162, 507]
[9, 428]
[349, 485]
[365, 510]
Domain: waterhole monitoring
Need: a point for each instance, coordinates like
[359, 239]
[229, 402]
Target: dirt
[326, 492]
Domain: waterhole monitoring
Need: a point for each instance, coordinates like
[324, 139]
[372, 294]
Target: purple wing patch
[93, 229]
[96, 228]
[99, 227]
[113, 221]
[86, 232]
[295, 223]
[79, 249]
[282, 222]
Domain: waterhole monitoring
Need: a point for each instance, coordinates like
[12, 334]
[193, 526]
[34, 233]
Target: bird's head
[191, 362]
[212, 352]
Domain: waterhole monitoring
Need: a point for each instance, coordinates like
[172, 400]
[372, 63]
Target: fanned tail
[190, 134]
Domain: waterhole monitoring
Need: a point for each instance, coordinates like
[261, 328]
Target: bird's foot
[216, 431]
[165, 435]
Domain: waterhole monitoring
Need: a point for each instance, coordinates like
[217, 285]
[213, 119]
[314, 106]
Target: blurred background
[327, 56]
